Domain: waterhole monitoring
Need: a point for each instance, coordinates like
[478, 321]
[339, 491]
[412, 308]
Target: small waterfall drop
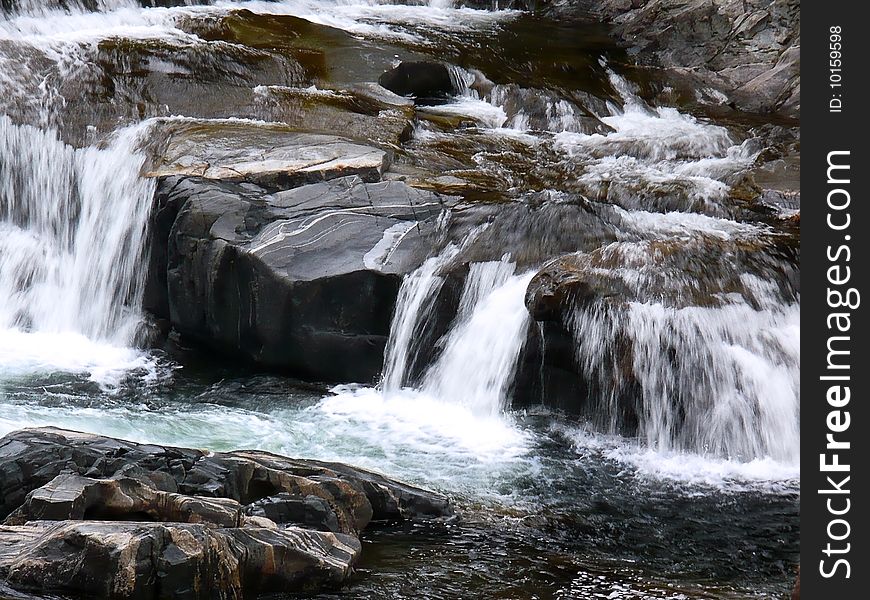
[416, 295]
[478, 356]
[73, 225]
[713, 373]
[478, 363]
[37, 8]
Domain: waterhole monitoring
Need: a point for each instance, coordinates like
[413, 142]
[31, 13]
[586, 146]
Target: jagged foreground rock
[102, 517]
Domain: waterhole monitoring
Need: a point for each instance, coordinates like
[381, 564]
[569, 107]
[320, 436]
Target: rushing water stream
[700, 501]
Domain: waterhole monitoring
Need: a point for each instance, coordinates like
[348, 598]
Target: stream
[695, 494]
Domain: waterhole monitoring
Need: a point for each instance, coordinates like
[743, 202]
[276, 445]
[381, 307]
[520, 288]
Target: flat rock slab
[266, 154]
[101, 517]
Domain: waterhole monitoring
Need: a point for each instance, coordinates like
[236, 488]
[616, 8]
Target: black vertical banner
[835, 260]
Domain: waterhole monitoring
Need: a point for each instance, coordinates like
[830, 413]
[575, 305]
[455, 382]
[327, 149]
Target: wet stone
[245, 523]
[272, 155]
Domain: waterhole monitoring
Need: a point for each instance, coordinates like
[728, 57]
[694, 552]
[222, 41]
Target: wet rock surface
[269, 155]
[302, 280]
[295, 195]
[92, 515]
[744, 54]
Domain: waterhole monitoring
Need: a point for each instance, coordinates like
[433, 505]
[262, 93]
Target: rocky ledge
[738, 54]
[99, 517]
[283, 248]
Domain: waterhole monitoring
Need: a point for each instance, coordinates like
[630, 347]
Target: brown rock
[100, 517]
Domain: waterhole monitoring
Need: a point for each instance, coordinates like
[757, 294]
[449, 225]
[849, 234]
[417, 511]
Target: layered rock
[272, 155]
[92, 515]
[303, 279]
[742, 53]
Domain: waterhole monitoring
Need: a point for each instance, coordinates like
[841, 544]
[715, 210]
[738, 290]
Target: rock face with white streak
[302, 280]
[100, 517]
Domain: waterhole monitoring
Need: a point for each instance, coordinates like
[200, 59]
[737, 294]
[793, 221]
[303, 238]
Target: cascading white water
[57, 277]
[35, 8]
[73, 225]
[479, 359]
[418, 291]
[720, 378]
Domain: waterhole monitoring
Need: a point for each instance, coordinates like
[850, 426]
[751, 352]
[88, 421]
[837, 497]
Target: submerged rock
[422, 80]
[87, 514]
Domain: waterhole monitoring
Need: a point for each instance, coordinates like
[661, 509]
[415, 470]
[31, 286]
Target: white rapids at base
[72, 229]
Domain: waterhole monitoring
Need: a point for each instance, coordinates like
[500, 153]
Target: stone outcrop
[281, 247]
[271, 155]
[302, 280]
[742, 53]
[92, 515]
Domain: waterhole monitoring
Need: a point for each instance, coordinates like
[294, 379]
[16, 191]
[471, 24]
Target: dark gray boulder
[419, 79]
[303, 280]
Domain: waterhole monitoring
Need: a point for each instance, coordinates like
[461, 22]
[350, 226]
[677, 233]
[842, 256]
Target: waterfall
[718, 375]
[418, 291]
[479, 353]
[478, 363]
[36, 8]
[72, 233]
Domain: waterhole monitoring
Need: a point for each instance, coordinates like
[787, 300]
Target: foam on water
[654, 148]
[43, 8]
[692, 472]
[404, 434]
[656, 225]
[482, 112]
[24, 355]
[378, 19]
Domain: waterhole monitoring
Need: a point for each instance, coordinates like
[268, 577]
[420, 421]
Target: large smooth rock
[95, 516]
[303, 280]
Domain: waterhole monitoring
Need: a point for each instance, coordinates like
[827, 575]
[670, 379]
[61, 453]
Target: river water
[701, 502]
